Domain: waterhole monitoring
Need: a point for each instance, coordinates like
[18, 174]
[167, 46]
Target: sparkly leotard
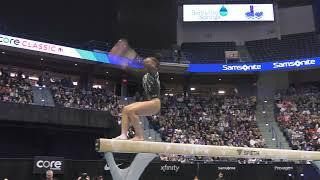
[151, 85]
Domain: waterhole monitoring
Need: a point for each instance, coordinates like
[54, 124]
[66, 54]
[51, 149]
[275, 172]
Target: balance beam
[127, 146]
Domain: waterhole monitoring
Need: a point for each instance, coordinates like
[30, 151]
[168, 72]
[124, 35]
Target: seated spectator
[299, 117]
[93, 99]
[15, 89]
[215, 120]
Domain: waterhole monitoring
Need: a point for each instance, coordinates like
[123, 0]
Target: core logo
[53, 165]
[169, 168]
[252, 67]
[296, 63]
[31, 45]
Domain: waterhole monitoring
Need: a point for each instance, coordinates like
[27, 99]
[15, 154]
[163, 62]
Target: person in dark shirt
[220, 176]
[131, 113]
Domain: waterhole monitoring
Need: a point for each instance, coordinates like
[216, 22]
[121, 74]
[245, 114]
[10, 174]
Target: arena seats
[207, 52]
[94, 99]
[299, 117]
[289, 47]
[15, 89]
[216, 120]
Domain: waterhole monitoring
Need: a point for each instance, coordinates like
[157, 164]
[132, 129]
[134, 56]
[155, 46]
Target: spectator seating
[94, 99]
[289, 47]
[299, 117]
[207, 52]
[216, 120]
[15, 89]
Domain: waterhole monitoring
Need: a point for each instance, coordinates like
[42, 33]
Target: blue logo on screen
[223, 11]
[293, 64]
[245, 67]
[254, 15]
[257, 67]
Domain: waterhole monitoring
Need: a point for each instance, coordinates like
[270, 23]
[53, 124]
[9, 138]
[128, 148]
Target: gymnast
[152, 105]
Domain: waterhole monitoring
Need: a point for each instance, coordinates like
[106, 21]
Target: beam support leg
[134, 171]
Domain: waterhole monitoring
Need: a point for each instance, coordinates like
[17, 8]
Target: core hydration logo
[43, 163]
[53, 165]
[245, 67]
[28, 44]
[292, 64]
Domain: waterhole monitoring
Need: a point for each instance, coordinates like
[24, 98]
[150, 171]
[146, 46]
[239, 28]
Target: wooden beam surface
[127, 146]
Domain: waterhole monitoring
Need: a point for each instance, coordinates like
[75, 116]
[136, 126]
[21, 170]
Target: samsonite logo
[297, 63]
[245, 67]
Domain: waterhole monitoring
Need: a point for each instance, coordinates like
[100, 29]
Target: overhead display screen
[228, 12]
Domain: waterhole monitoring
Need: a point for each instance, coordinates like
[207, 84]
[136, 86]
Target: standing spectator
[49, 175]
[220, 176]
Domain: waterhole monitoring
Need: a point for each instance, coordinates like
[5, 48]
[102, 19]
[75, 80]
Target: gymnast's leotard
[151, 85]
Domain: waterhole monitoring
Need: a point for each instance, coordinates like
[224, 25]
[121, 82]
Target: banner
[43, 163]
[52, 49]
[175, 169]
[284, 168]
[256, 67]
[228, 12]
[72, 52]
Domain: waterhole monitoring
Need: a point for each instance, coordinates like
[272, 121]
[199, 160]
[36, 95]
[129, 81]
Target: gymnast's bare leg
[151, 86]
[131, 113]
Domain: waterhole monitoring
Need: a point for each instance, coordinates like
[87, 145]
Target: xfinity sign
[172, 168]
[44, 163]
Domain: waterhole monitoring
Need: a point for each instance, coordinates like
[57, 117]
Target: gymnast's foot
[121, 137]
[136, 138]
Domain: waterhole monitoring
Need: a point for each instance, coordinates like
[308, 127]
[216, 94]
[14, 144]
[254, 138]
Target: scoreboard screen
[228, 12]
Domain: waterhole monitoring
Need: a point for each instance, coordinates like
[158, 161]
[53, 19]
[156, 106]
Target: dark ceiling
[288, 3]
[145, 23]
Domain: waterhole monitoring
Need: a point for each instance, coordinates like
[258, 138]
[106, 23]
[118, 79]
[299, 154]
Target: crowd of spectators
[298, 115]
[92, 99]
[16, 89]
[214, 120]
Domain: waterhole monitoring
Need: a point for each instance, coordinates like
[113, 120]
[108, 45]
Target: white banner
[38, 46]
[228, 12]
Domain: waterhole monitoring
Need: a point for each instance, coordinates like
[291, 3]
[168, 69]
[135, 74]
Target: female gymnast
[152, 105]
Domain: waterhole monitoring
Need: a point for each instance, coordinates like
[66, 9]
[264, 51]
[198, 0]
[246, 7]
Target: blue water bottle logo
[223, 11]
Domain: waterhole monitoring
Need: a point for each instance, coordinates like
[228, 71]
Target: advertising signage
[67, 51]
[52, 49]
[255, 67]
[228, 12]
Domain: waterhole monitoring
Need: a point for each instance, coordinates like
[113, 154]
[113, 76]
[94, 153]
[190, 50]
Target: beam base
[134, 171]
